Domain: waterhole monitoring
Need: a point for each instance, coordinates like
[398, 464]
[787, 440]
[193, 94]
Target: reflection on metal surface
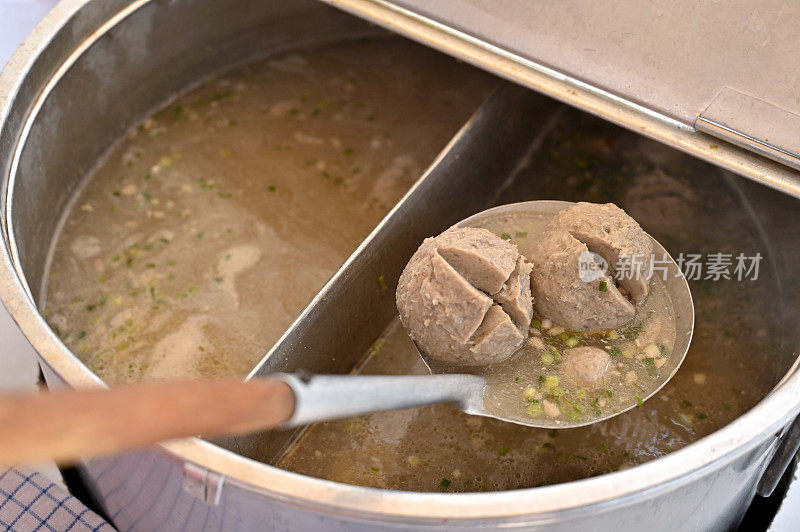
[790, 443]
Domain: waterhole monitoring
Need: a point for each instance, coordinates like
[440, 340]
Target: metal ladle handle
[324, 397]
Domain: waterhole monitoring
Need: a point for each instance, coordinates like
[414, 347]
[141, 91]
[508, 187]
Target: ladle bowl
[324, 397]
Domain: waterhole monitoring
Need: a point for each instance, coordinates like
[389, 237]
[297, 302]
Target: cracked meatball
[583, 304]
[465, 297]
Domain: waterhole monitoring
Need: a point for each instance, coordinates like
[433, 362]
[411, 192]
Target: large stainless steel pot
[93, 68]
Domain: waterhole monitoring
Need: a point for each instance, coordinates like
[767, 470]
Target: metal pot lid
[728, 69]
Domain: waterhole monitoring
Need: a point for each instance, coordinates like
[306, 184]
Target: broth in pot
[206, 231]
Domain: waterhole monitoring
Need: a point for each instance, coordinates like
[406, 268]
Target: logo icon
[591, 266]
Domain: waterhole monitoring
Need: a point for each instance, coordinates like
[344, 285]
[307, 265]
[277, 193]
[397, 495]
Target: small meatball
[560, 294]
[445, 302]
[586, 365]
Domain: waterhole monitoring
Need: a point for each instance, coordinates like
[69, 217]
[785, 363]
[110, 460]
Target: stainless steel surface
[324, 397]
[753, 124]
[136, 56]
[671, 57]
[787, 450]
[457, 29]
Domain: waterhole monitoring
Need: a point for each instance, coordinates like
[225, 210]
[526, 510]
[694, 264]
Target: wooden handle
[67, 425]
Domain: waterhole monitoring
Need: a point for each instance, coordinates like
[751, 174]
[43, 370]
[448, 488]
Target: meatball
[586, 365]
[608, 231]
[561, 295]
[465, 297]
[571, 236]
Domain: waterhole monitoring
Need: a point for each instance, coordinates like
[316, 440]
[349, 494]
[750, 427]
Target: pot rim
[754, 427]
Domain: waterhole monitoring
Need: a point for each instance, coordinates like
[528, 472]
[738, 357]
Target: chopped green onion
[518, 379]
[572, 341]
[615, 352]
[505, 236]
[603, 286]
[444, 484]
[536, 323]
[596, 407]
[534, 409]
[551, 381]
[650, 364]
[651, 350]
[575, 412]
[639, 401]
[630, 333]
